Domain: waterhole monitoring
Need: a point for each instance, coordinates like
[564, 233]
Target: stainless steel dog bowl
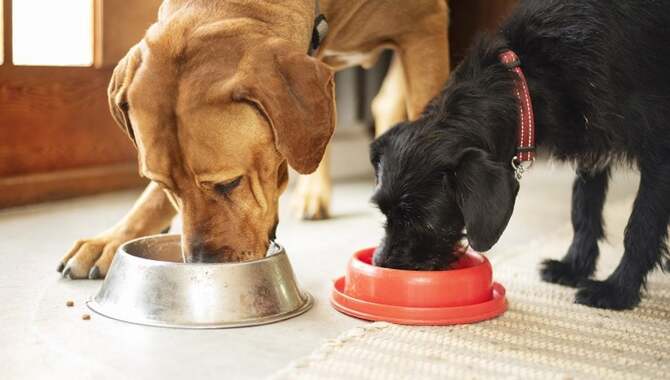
[149, 284]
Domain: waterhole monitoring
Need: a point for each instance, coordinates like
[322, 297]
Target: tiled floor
[40, 337]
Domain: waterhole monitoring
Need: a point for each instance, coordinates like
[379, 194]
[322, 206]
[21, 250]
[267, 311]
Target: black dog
[598, 73]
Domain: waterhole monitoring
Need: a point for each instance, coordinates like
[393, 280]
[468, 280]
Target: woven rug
[543, 335]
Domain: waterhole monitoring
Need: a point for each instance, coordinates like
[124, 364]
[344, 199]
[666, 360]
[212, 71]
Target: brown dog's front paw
[90, 258]
[311, 200]
[312, 208]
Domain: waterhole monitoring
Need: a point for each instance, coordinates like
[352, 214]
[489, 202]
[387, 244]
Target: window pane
[52, 33]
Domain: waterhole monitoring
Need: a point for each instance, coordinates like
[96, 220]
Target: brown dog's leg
[425, 60]
[389, 106]
[311, 199]
[91, 257]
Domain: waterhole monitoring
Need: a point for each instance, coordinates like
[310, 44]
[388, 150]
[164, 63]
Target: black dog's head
[449, 170]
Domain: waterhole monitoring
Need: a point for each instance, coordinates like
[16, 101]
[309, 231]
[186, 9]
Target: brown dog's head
[215, 122]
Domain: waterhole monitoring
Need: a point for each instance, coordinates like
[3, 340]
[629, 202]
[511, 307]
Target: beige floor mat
[543, 335]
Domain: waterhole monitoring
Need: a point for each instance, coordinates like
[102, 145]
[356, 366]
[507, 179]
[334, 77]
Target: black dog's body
[599, 79]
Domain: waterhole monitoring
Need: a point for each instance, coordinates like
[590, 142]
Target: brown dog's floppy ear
[487, 192]
[296, 94]
[118, 88]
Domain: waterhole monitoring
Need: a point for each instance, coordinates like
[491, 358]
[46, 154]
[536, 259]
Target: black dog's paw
[558, 272]
[606, 295]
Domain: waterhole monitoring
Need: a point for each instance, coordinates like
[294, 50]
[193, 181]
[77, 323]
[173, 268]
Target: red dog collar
[525, 150]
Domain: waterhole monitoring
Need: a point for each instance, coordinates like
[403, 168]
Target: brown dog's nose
[200, 252]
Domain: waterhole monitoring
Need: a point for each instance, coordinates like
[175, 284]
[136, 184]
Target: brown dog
[220, 97]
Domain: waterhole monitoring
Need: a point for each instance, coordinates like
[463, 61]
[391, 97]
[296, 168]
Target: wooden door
[57, 138]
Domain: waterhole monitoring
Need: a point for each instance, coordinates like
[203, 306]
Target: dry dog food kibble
[69, 303]
[86, 317]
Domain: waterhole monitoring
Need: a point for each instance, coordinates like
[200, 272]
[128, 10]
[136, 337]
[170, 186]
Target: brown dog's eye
[224, 188]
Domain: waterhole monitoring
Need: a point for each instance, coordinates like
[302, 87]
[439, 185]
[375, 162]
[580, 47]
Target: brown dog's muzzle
[197, 249]
[225, 229]
[200, 249]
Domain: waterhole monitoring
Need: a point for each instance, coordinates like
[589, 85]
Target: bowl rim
[355, 260]
[280, 251]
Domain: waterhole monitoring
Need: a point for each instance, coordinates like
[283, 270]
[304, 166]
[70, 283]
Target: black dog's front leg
[644, 243]
[588, 197]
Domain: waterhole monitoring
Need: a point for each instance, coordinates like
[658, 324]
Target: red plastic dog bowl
[465, 293]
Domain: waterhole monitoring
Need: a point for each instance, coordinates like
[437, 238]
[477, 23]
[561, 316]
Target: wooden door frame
[7, 32]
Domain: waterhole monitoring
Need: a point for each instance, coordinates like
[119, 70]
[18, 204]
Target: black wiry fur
[599, 77]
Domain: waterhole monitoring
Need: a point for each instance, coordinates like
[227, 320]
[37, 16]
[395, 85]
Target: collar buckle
[521, 167]
[319, 31]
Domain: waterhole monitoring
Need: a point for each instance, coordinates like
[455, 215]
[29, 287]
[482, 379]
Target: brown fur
[221, 89]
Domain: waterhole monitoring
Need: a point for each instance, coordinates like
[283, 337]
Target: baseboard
[42, 187]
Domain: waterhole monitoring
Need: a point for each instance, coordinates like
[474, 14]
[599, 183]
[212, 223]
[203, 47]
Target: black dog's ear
[375, 150]
[487, 192]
